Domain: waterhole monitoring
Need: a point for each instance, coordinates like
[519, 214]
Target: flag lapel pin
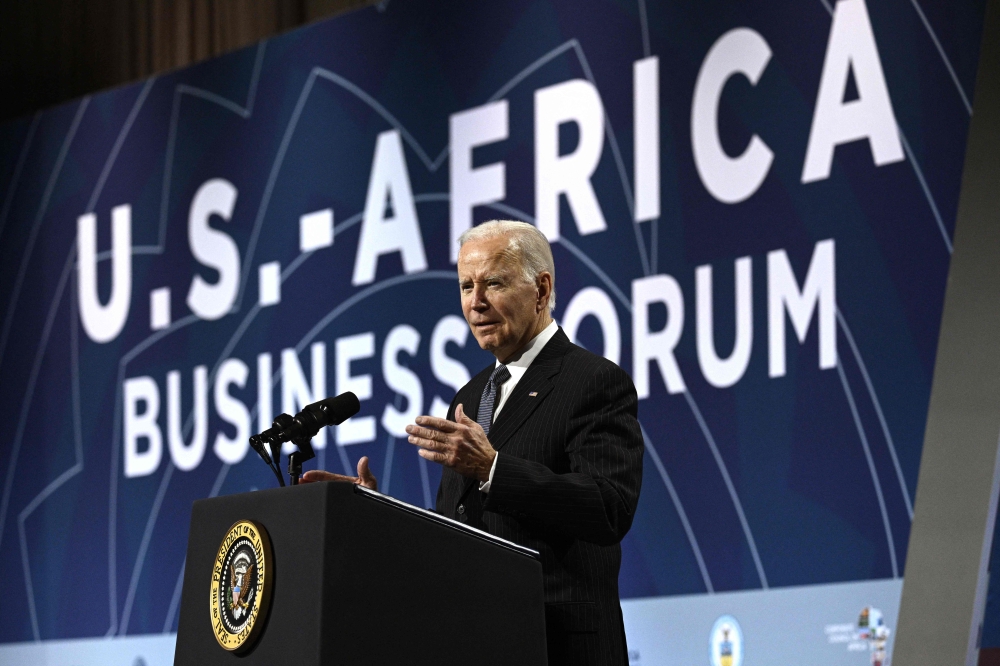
[533, 394]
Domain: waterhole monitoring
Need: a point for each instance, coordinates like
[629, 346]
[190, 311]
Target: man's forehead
[481, 257]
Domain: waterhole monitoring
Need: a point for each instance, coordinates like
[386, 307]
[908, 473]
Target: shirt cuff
[484, 487]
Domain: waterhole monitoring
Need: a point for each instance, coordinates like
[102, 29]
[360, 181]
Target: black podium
[361, 578]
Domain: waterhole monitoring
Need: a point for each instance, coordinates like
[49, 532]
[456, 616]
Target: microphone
[270, 436]
[273, 435]
[331, 411]
[258, 445]
[300, 429]
[267, 437]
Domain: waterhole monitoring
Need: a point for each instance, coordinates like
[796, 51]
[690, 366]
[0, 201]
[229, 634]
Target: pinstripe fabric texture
[567, 484]
[488, 399]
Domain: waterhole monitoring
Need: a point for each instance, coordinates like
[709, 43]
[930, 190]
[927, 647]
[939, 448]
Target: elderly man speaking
[543, 447]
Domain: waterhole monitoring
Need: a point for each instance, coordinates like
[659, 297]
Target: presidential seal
[242, 577]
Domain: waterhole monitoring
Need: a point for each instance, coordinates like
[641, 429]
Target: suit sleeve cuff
[484, 487]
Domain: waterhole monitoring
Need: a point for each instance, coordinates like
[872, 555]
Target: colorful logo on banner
[869, 634]
[726, 642]
[872, 629]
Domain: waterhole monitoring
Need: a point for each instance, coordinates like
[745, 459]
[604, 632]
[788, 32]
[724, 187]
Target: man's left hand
[460, 444]
[364, 478]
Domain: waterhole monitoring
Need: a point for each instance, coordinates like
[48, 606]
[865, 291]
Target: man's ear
[543, 287]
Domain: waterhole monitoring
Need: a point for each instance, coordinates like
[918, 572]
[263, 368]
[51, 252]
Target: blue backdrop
[756, 476]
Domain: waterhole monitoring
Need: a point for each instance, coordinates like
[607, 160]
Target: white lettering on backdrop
[390, 225]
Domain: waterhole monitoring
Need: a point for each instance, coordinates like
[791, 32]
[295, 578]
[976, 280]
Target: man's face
[501, 307]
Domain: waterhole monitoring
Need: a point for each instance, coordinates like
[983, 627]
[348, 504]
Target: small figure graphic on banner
[871, 628]
[726, 649]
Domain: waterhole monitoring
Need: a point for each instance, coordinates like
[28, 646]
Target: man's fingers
[445, 442]
[444, 425]
[426, 433]
[424, 443]
[365, 476]
[315, 475]
[461, 416]
[433, 456]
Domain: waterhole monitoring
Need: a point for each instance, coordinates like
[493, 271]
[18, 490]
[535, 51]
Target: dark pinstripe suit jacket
[566, 484]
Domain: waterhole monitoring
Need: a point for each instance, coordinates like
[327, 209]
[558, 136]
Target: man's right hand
[364, 478]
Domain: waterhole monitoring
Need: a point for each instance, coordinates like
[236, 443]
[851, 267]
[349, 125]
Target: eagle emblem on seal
[240, 574]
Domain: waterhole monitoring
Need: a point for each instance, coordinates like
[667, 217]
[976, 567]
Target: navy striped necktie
[485, 416]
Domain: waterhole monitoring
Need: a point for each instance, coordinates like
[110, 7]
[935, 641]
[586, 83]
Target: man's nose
[479, 302]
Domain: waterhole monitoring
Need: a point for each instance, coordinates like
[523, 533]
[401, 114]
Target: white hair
[525, 242]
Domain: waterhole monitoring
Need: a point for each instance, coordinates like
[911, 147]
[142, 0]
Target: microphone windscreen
[338, 409]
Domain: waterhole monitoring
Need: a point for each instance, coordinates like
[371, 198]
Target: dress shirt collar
[533, 348]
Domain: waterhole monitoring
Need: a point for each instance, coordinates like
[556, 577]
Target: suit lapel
[529, 393]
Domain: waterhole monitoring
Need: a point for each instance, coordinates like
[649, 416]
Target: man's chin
[488, 343]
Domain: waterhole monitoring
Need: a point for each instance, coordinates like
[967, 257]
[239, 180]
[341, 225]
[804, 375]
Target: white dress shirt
[517, 369]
